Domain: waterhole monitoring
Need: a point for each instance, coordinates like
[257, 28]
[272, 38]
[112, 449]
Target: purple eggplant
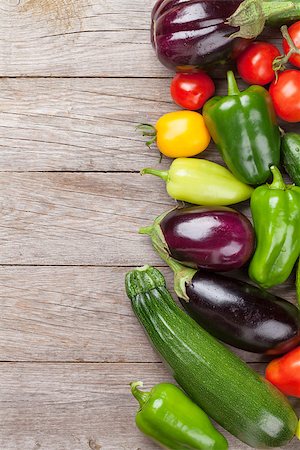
[197, 33]
[213, 238]
[234, 311]
[242, 315]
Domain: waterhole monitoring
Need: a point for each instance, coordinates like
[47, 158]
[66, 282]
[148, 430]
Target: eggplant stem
[251, 15]
[182, 274]
[273, 8]
[146, 230]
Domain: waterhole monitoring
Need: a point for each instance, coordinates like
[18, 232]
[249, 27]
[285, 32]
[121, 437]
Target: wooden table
[77, 76]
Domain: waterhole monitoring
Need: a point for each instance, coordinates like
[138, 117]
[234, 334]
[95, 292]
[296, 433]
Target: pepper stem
[157, 173]
[278, 182]
[141, 397]
[233, 88]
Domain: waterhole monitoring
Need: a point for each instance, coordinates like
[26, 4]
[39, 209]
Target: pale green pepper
[202, 182]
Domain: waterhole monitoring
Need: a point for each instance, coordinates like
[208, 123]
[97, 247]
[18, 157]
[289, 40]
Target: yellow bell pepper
[178, 134]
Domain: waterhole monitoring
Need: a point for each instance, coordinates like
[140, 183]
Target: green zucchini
[290, 148]
[234, 395]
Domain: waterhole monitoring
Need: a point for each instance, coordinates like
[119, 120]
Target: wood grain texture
[69, 342]
[77, 406]
[83, 124]
[75, 314]
[78, 38]
[78, 219]
[78, 124]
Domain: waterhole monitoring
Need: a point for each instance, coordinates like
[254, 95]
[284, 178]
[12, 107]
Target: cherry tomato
[192, 90]
[294, 32]
[255, 63]
[285, 94]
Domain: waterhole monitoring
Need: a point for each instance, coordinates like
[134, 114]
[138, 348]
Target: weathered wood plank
[78, 219]
[78, 124]
[77, 406]
[83, 124]
[76, 314]
[77, 38]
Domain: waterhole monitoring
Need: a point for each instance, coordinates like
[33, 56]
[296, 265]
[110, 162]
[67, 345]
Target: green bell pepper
[276, 215]
[171, 419]
[202, 182]
[243, 126]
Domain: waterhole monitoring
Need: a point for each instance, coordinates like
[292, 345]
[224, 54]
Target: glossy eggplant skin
[212, 238]
[242, 315]
[189, 34]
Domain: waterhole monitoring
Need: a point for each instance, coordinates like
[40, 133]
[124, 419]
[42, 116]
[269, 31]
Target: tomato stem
[148, 130]
[280, 62]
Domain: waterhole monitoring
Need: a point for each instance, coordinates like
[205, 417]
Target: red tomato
[284, 373]
[294, 32]
[285, 94]
[255, 63]
[192, 90]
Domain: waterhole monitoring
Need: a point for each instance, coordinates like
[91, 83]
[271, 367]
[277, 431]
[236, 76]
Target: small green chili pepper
[276, 216]
[171, 419]
[243, 126]
[202, 182]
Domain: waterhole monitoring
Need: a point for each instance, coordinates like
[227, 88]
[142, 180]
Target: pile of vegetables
[204, 240]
